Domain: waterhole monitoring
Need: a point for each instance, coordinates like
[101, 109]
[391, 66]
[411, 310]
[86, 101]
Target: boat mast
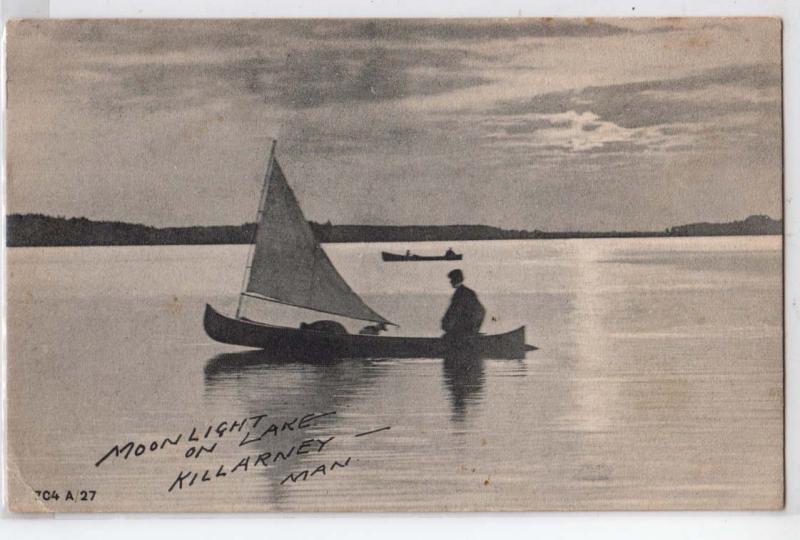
[251, 250]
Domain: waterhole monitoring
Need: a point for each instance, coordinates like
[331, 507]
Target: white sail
[288, 264]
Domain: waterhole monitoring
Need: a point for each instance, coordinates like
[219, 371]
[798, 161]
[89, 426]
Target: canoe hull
[294, 342]
[393, 257]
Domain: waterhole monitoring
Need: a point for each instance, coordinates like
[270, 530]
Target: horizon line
[325, 223]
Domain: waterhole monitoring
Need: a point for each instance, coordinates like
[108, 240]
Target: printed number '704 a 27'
[77, 496]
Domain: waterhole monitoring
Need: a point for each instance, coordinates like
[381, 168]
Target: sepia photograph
[394, 265]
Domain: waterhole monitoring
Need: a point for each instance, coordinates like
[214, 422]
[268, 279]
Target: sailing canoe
[288, 266]
[294, 342]
[393, 257]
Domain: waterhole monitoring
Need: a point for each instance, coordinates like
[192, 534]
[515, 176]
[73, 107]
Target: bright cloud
[586, 131]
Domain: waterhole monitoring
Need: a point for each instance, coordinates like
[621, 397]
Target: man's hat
[456, 275]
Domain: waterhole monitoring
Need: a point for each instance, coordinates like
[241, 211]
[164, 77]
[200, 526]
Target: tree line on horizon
[29, 230]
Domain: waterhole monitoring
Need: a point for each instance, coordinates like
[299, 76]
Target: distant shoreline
[37, 230]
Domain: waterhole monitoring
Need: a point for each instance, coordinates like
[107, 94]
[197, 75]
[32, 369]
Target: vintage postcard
[394, 265]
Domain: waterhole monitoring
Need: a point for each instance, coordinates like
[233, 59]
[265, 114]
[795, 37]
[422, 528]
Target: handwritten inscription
[245, 432]
[247, 463]
[308, 473]
[273, 429]
[218, 431]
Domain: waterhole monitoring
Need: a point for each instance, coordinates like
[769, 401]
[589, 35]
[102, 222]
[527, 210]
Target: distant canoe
[393, 257]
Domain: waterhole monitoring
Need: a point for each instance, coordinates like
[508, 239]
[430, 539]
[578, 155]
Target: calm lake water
[657, 384]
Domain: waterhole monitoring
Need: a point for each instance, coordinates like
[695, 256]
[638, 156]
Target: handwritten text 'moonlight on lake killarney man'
[251, 429]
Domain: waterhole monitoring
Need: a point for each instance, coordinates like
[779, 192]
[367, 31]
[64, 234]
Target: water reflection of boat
[288, 266]
[325, 378]
[410, 257]
[234, 364]
[464, 378]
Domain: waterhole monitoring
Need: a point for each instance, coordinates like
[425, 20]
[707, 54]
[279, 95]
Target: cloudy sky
[549, 124]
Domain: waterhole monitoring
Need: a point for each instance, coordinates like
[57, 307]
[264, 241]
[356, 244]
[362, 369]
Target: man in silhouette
[465, 314]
